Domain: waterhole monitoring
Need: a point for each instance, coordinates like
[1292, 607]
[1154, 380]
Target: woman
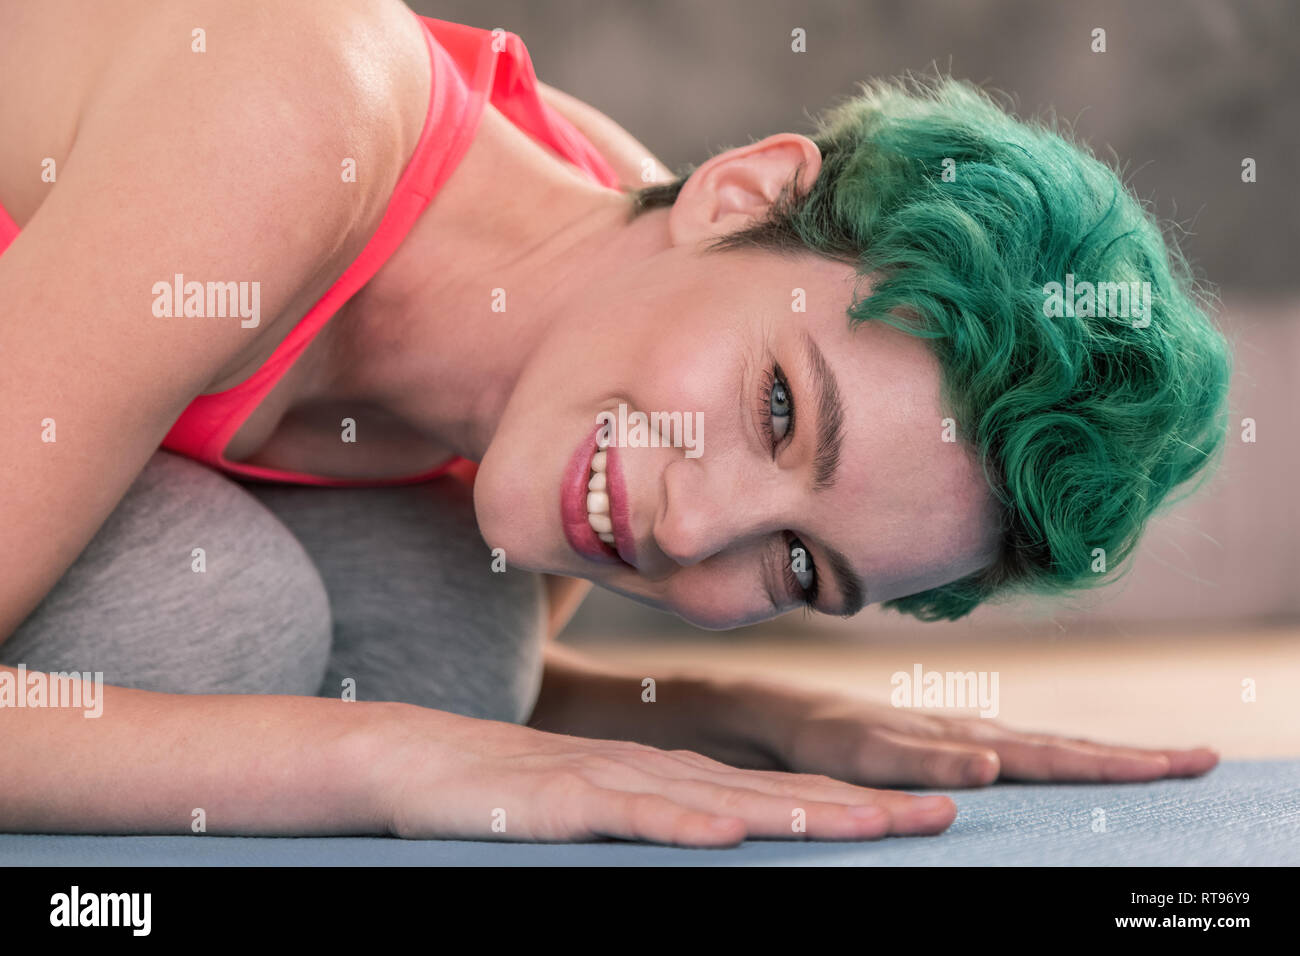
[222, 242]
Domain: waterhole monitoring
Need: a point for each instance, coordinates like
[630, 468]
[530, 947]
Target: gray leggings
[300, 590]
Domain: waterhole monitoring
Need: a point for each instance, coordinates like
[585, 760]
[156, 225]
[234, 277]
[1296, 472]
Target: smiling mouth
[594, 519]
[598, 506]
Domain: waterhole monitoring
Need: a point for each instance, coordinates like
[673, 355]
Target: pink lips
[573, 507]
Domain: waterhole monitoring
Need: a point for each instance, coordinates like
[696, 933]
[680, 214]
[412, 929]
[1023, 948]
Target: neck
[423, 341]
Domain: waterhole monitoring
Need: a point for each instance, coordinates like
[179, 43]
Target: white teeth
[598, 506]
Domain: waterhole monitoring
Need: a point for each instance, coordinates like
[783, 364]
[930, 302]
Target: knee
[190, 586]
[505, 618]
[420, 615]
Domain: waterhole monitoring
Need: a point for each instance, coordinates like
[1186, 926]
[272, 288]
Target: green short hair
[964, 216]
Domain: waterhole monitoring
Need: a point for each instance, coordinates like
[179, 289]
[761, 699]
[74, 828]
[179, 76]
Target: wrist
[754, 719]
[376, 754]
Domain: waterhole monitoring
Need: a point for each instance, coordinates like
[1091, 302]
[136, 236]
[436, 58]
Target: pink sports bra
[470, 67]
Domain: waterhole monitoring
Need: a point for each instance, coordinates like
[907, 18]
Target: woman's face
[814, 468]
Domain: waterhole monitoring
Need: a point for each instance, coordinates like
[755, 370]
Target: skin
[696, 334]
[598, 312]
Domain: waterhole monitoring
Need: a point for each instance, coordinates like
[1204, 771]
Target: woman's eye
[802, 571]
[780, 408]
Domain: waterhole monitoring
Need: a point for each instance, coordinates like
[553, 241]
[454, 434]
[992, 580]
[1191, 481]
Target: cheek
[687, 372]
[718, 598]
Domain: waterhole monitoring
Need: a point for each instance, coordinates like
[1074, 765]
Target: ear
[735, 189]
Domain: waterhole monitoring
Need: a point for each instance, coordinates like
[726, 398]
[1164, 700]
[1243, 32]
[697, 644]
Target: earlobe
[737, 188]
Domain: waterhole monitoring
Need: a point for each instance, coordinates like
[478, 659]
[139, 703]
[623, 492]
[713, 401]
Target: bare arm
[93, 380]
[726, 718]
[766, 724]
[563, 596]
[93, 375]
[252, 764]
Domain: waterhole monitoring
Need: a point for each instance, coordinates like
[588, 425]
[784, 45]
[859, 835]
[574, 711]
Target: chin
[506, 519]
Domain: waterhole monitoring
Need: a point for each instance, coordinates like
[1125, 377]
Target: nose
[707, 508]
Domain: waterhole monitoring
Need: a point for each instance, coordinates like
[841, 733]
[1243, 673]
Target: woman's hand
[439, 775]
[763, 724]
[880, 745]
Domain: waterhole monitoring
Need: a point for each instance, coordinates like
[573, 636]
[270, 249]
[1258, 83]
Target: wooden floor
[1163, 690]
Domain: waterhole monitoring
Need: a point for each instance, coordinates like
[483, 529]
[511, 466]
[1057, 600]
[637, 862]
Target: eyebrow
[846, 579]
[830, 417]
[826, 463]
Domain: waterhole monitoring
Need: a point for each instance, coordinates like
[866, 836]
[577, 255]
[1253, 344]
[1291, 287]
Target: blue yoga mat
[1242, 813]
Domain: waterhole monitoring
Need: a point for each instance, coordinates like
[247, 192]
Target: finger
[1191, 763]
[785, 816]
[689, 765]
[1031, 757]
[912, 815]
[655, 819]
[891, 758]
[909, 813]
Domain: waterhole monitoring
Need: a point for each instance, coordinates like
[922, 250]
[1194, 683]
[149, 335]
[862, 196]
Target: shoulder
[285, 84]
[211, 142]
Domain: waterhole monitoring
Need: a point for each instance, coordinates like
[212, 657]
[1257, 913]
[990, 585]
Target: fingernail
[724, 823]
[978, 769]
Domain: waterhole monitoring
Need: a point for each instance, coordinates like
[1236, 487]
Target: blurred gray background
[1184, 91]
